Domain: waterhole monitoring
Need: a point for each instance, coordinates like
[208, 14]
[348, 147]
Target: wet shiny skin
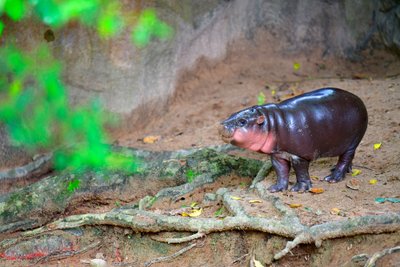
[323, 123]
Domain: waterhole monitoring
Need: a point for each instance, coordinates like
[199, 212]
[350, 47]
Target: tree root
[38, 203]
[40, 164]
[374, 258]
[150, 222]
[286, 223]
[179, 240]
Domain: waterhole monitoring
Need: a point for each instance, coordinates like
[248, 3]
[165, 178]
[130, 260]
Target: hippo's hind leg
[282, 168]
[300, 167]
[342, 167]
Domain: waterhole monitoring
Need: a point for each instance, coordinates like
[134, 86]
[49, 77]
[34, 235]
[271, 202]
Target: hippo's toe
[277, 188]
[301, 187]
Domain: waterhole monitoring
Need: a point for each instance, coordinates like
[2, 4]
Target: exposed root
[171, 257]
[300, 239]
[139, 218]
[178, 240]
[40, 164]
[146, 221]
[262, 173]
[372, 261]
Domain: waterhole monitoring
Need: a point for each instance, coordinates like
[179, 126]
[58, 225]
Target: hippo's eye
[242, 122]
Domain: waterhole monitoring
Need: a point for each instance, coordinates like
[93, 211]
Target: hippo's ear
[260, 119]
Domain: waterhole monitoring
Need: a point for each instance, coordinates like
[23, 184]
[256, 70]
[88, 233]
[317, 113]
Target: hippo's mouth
[226, 133]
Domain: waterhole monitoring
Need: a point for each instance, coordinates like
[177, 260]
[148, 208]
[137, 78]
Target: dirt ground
[211, 91]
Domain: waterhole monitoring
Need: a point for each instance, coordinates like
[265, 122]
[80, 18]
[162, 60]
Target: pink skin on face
[256, 141]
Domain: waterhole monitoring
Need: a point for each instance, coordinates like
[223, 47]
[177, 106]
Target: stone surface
[139, 82]
[125, 77]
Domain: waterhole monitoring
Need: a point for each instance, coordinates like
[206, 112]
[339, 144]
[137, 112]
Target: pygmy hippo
[327, 122]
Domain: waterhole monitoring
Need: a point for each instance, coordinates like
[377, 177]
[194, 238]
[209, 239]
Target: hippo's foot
[277, 188]
[301, 187]
[335, 177]
[337, 174]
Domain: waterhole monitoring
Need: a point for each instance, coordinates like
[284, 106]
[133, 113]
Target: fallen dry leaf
[314, 177]
[151, 139]
[295, 205]
[353, 184]
[377, 146]
[255, 201]
[335, 211]
[373, 181]
[257, 263]
[236, 198]
[193, 213]
[317, 190]
[355, 172]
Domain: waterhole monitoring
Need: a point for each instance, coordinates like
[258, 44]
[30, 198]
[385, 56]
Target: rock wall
[388, 23]
[126, 78]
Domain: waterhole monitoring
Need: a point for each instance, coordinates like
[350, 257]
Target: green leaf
[261, 98]
[219, 212]
[73, 185]
[191, 175]
[15, 9]
[1, 27]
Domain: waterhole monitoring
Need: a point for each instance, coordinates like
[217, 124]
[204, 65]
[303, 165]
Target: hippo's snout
[226, 131]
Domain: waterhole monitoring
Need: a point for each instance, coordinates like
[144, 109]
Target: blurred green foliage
[34, 103]
[191, 175]
[107, 16]
[35, 109]
[148, 26]
[261, 99]
[73, 185]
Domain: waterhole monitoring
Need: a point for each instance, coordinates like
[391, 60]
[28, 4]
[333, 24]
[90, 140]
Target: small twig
[372, 261]
[363, 167]
[170, 257]
[180, 239]
[238, 260]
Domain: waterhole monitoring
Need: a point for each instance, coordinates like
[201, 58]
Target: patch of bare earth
[213, 90]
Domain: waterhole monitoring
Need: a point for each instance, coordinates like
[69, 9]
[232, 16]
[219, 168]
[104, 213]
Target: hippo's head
[247, 129]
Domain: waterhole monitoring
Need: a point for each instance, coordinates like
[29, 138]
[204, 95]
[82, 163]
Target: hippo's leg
[282, 168]
[300, 167]
[342, 167]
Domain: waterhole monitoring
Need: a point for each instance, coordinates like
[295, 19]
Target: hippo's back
[324, 122]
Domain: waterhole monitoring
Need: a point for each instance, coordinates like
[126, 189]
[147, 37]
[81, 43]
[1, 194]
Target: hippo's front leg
[300, 167]
[282, 168]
